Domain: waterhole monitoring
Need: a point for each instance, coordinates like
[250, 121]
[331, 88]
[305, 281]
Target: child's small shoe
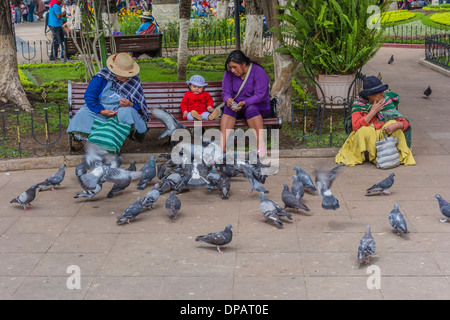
[214, 114]
[195, 115]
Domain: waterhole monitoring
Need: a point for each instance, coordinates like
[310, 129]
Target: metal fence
[437, 50]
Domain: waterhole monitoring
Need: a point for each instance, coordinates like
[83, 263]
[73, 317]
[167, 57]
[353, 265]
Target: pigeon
[132, 166]
[148, 173]
[272, 211]
[54, 180]
[427, 92]
[213, 178]
[91, 183]
[121, 178]
[305, 179]
[151, 197]
[26, 197]
[397, 221]
[391, 60]
[324, 180]
[219, 239]
[254, 183]
[366, 247]
[297, 188]
[381, 187]
[444, 207]
[290, 201]
[224, 185]
[173, 205]
[131, 212]
[169, 182]
[168, 119]
[196, 180]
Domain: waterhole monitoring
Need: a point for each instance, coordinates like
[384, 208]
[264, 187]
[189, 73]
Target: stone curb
[434, 67]
[73, 160]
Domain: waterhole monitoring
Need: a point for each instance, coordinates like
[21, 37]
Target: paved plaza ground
[311, 258]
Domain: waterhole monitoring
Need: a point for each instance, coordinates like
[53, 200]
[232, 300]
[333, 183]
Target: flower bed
[441, 18]
[391, 17]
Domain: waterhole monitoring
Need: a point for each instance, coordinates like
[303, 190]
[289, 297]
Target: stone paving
[311, 258]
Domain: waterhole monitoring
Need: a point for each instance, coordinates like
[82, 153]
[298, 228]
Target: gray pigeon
[391, 60]
[397, 221]
[196, 180]
[272, 211]
[173, 205]
[121, 178]
[444, 207]
[54, 180]
[151, 197]
[169, 182]
[254, 183]
[324, 180]
[366, 246]
[91, 183]
[148, 173]
[213, 178]
[219, 239]
[168, 119]
[290, 201]
[427, 92]
[224, 185]
[381, 187]
[132, 166]
[26, 197]
[131, 212]
[297, 188]
[305, 179]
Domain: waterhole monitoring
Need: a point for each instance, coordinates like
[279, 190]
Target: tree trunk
[185, 17]
[285, 67]
[222, 9]
[11, 89]
[253, 42]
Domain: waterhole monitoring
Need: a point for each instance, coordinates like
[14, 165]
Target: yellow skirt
[352, 152]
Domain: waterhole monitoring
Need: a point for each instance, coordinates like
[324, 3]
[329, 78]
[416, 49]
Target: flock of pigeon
[99, 166]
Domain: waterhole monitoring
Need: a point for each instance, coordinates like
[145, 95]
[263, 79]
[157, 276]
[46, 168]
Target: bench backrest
[149, 43]
[166, 94]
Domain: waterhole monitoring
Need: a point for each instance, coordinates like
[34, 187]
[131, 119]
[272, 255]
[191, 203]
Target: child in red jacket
[197, 103]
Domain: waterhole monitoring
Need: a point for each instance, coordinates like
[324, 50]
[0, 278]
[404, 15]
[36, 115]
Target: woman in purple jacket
[253, 101]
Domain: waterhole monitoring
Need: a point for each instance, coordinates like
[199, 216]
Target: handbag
[221, 105]
[110, 134]
[387, 153]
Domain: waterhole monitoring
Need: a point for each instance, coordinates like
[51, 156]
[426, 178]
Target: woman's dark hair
[237, 56]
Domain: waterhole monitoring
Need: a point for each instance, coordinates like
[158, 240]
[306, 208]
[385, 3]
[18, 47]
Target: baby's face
[196, 89]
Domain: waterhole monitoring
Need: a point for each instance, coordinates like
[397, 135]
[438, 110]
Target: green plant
[330, 36]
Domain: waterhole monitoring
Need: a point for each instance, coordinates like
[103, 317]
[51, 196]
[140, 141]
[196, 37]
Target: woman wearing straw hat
[373, 111]
[149, 25]
[113, 91]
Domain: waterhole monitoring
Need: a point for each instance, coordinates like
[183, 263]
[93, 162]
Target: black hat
[372, 85]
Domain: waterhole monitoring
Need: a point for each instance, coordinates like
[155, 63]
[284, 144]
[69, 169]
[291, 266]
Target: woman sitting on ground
[113, 91]
[374, 111]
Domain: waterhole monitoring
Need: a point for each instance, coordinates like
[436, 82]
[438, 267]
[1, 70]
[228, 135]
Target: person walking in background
[17, 11]
[31, 7]
[40, 9]
[55, 24]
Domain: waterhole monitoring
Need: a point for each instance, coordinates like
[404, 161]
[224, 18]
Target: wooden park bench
[169, 95]
[150, 44]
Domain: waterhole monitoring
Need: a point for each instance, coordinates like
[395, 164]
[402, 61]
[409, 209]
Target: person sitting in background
[149, 25]
[372, 112]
